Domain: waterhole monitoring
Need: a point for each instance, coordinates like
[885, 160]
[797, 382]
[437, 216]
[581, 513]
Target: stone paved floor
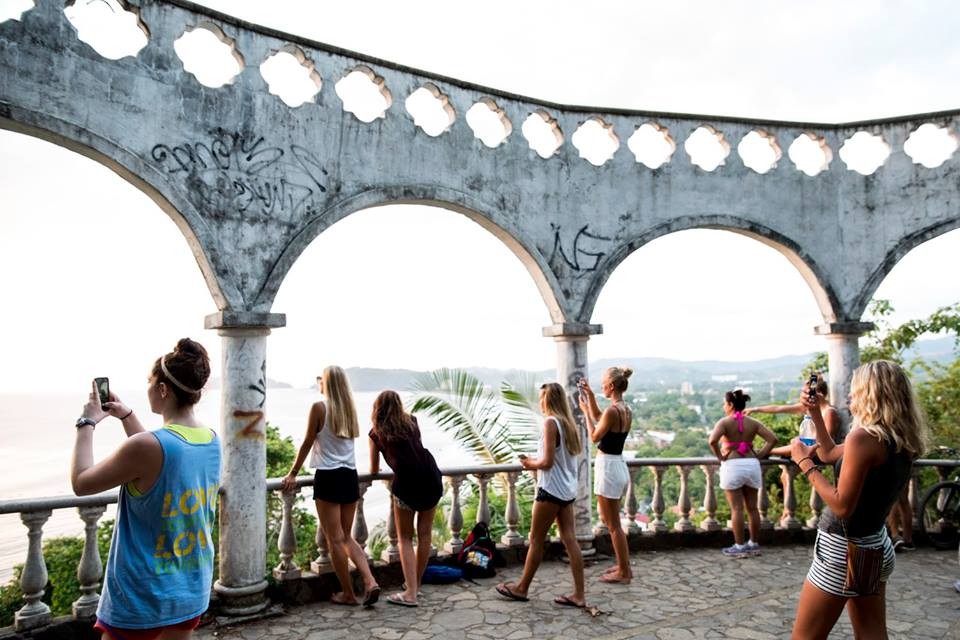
[679, 595]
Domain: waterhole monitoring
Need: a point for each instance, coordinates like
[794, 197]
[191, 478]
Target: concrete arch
[144, 177]
[434, 195]
[905, 245]
[813, 275]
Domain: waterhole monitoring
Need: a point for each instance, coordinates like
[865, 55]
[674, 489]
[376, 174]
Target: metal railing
[35, 512]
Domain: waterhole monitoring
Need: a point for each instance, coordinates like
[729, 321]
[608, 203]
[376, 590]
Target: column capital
[850, 328]
[572, 330]
[231, 319]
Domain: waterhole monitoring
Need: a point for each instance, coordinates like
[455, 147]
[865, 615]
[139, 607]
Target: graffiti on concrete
[261, 385]
[232, 172]
[583, 254]
[250, 428]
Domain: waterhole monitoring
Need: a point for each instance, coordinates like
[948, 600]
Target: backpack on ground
[479, 556]
[441, 574]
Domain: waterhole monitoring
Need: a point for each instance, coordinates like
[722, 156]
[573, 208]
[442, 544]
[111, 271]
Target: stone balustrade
[35, 512]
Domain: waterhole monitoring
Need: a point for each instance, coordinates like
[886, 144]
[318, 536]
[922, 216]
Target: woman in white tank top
[331, 430]
[556, 463]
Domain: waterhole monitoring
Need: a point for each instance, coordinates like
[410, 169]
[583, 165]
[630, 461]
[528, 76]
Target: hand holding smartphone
[103, 389]
[812, 387]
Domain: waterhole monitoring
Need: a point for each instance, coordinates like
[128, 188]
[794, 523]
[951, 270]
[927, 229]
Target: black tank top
[612, 442]
[881, 488]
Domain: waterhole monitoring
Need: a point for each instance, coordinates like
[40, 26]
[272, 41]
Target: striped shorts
[828, 572]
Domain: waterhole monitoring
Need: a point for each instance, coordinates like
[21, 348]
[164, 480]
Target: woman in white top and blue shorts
[332, 428]
[556, 463]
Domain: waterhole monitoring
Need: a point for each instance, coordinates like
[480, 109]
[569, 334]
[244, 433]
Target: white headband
[169, 376]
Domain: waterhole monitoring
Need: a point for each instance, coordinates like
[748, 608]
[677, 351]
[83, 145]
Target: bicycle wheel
[940, 515]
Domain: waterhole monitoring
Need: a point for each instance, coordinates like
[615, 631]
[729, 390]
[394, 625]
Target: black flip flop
[372, 596]
[503, 590]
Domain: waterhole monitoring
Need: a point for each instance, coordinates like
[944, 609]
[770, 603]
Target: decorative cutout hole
[707, 148]
[364, 94]
[14, 9]
[596, 141]
[930, 145]
[209, 54]
[759, 151]
[543, 134]
[810, 153]
[489, 123]
[652, 145]
[108, 27]
[864, 152]
[431, 110]
[291, 76]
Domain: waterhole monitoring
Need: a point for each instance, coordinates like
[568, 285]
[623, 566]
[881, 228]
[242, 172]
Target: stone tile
[687, 594]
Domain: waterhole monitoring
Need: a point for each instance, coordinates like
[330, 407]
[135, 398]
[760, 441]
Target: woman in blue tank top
[160, 567]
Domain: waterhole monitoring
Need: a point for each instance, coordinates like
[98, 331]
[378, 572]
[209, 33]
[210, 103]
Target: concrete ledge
[230, 319]
[572, 329]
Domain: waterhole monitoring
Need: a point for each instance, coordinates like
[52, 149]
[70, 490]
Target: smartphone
[103, 389]
[812, 387]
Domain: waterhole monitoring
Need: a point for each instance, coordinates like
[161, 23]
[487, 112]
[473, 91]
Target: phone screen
[103, 388]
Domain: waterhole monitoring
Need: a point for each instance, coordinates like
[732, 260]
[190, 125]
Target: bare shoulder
[141, 444]
[860, 442]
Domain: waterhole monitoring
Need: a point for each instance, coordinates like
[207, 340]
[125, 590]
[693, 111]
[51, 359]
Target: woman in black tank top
[610, 474]
[886, 437]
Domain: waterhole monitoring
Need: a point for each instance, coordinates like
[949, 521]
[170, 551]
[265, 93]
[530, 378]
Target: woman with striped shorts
[872, 466]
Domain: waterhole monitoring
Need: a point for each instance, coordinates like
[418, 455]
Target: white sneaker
[736, 551]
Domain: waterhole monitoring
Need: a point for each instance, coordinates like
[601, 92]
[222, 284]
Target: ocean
[37, 442]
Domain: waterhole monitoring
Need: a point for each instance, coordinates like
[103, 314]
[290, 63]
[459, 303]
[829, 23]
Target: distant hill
[647, 371]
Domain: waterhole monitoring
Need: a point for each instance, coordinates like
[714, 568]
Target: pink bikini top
[743, 446]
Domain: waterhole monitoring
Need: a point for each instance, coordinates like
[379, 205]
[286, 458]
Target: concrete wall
[252, 182]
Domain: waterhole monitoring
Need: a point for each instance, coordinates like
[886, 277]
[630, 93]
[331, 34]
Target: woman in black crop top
[887, 435]
[610, 474]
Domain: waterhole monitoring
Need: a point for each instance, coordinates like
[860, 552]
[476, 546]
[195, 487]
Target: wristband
[802, 459]
[130, 413]
[806, 474]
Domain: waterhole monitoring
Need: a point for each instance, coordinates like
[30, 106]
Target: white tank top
[329, 451]
[559, 480]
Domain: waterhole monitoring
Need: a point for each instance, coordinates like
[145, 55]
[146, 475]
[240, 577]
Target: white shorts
[738, 472]
[610, 476]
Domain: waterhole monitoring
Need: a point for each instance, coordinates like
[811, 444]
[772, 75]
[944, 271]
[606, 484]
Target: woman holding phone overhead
[609, 430]
[160, 567]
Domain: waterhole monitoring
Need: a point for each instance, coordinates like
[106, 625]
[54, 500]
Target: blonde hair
[557, 405]
[883, 404]
[342, 414]
[618, 377]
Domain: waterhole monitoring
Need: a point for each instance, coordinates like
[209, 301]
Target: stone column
[571, 340]
[242, 511]
[843, 356]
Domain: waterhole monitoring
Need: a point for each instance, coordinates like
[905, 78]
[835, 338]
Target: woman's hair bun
[186, 346]
[627, 371]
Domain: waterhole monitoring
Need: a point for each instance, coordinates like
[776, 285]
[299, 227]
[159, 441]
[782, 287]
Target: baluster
[632, 526]
[392, 553]
[710, 500]
[789, 520]
[512, 537]
[287, 569]
[456, 517]
[683, 502]
[914, 497]
[33, 613]
[483, 508]
[322, 562]
[658, 525]
[763, 502]
[359, 530]
[91, 567]
[816, 506]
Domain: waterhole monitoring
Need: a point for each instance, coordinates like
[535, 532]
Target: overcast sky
[98, 281]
